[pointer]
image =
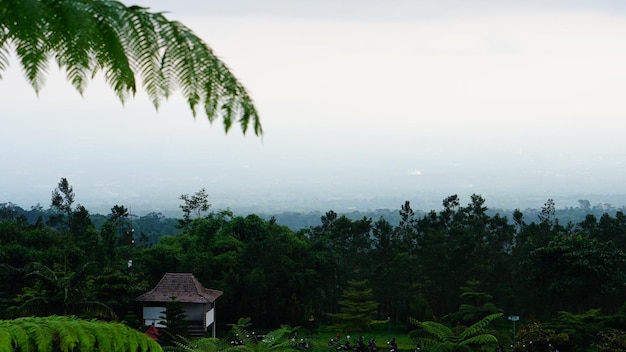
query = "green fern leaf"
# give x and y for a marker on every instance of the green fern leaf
(105, 36)
(6, 342)
(480, 325)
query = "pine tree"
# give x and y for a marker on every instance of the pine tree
(174, 320)
(357, 307)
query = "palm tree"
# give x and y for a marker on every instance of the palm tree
(436, 337)
(89, 36)
(61, 293)
(59, 333)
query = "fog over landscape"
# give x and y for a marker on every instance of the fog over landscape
(364, 104)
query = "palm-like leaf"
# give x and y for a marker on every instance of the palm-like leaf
(439, 337)
(63, 294)
(65, 334)
(479, 326)
(89, 36)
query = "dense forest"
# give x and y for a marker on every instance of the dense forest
(456, 264)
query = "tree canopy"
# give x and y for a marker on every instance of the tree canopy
(453, 267)
(125, 44)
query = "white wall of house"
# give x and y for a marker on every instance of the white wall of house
(210, 318)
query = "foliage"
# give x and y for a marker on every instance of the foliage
(207, 344)
(176, 327)
(581, 329)
(357, 308)
(573, 271)
(476, 304)
(534, 337)
(118, 289)
(241, 324)
(276, 340)
(59, 292)
(68, 333)
(457, 264)
(434, 336)
(611, 341)
(63, 197)
(197, 204)
(123, 42)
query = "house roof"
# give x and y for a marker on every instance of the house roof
(184, 286)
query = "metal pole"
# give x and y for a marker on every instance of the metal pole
(514, 336)
(514, 318)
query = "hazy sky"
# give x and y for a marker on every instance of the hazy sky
(376, 101)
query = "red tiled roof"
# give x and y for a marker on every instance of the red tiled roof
(184, 286)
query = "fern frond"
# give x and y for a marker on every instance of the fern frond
(25, 21)
(145, 51)
(441, 331)
(66, 334)
(130, 340)
(71, 41)
(41, 334)
(207, 344)
(88, 37)
(6, 341)
(86, 338)
(4, 51)
(248, 115)
(243, 335)
(482, 339)
(19, 336)
(438, 346)
(110, 50)
(480, 325)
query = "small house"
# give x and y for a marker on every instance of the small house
(198, 302)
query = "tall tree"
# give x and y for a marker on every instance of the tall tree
(119, 216)
(395, 250)
(176, 328)
(63, 196)
(575, 273)
(62, 201)
(123, 42)
(197, 204)
(357, 307)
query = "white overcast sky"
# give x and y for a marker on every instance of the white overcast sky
(414, 100)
